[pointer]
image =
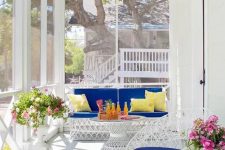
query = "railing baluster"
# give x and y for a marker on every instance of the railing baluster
(160, 62)
(133, 62)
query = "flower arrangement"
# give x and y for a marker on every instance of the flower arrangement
(207, 135)
(32, 108)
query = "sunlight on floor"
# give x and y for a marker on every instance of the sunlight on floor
(62, 142)
(89, 146)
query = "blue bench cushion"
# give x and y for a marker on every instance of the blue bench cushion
(84, 114)
(149, 114)
(95, 114)
(121, 94)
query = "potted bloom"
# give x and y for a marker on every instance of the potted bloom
(207, 135)
(34, 106)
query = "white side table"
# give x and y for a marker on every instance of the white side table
(121, 131)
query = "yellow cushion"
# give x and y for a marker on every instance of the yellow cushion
(79, 102)
(158, 98)
(142, 105)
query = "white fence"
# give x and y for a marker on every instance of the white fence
(144, 63)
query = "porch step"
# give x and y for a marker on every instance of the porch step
(110, 79)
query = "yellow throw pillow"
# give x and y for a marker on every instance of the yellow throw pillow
(79, 102)
(142, 105)
(158, 98)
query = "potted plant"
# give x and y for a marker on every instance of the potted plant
(207, 135)
(33, 108)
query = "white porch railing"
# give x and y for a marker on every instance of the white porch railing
(144, 63)
(134, 64)
(96, 67)
(105, 69)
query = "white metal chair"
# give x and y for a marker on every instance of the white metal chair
(171, 131)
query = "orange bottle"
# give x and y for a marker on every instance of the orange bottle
(125, 109)
(118, 109)
(113, 112)
(108, 111)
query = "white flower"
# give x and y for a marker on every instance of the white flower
(33, 111)
(40, 120)
(65, 115)
(31, 124)
(17, 110)
(32, 98)
(37, 99)
(41, 100)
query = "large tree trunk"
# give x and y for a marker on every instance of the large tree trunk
(104, 39)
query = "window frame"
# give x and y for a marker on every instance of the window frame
(22, 59)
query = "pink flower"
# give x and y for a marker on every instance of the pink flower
(223, 136)
(56, 110)
(14, 115)
(25, 115)
(60, 103)
(210, 127)
(222, 145)
(213, 119)
(193, 135)
(49, 110)
(207, 144)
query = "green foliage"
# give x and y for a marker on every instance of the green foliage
(105, 2)
(74, 58)
(35, 17)
(32, 108)
(6, 23)
(108, 101)
(10, 2)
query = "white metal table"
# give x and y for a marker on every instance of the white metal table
(121, 131)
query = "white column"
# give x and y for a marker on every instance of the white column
(21, 57)
(26, 44)
(186, 45)
(17, 45)
(215, 57)
(59, 23)
(117, 45)
(43, 42)
(26, 132)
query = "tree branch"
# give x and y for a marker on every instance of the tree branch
(100, 12)
(83, 18)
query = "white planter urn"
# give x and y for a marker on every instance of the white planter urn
(59, 122)
(42, 131)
